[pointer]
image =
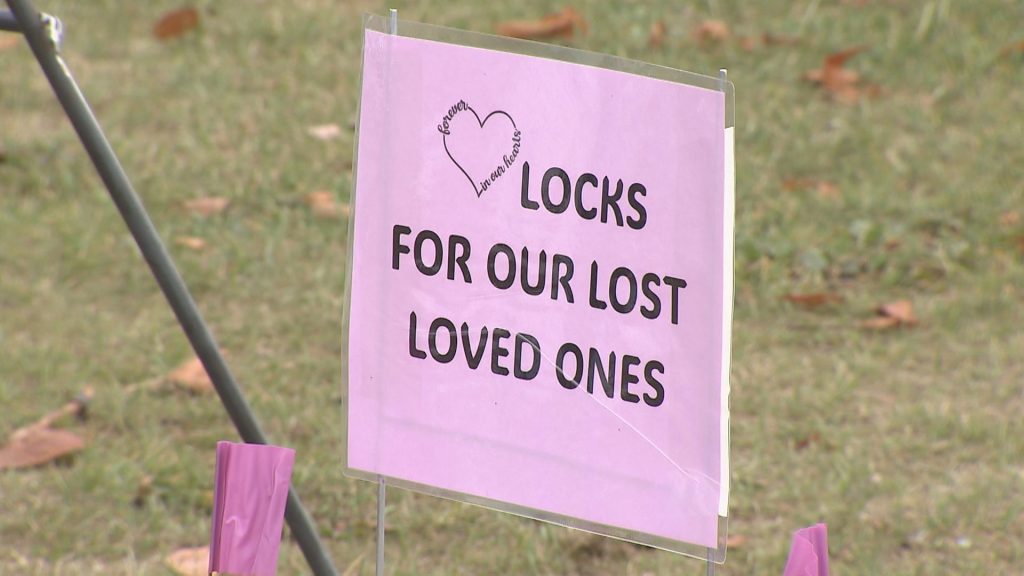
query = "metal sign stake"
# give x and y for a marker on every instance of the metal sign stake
(43, 33)
(381, 508)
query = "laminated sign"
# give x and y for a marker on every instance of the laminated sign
(540, 283)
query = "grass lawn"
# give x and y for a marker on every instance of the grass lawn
(908, 442)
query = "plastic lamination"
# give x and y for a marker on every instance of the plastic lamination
(560, 54)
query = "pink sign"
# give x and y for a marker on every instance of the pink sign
(539, 292)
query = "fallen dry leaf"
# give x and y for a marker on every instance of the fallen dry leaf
(190, 561)
(825, 189)
(191, 376)
(324, 204)
(710, 31)
(806, 441)
(834, 75)
(880, 323)
(324, 131)
(36, 445)
(208, 206)
(8, 41)
(562, 24)
(770, 39)
(78, 406)
(191, 242)
(656, 39)
(794, 184)
(1011, 218)
(841, 84)
(1016, 47)
(891, 315)
(814, 299)
(735, 540)
(176, 23)
(901, 310)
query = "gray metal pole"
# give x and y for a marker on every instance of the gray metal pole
(30, 22)
(8, 22)
(381, 513)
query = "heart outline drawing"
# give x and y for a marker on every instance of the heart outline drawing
(480, 125)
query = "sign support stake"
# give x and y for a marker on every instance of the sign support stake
(43, 33)
(381, 507)
(381, 487)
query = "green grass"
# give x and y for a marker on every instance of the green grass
(909, 444)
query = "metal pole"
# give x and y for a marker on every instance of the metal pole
(44, 43)
(8, 22)
(381, 488)
(381, 510)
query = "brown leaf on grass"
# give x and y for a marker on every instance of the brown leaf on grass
(190, 242)
(8, 41)
(189, 561)
(1015, 48)
(841, 84)
(324, 131)
(562, 24)
(833, 75)
(78, 406)
(735, 540)
(806, 441)
(770, 39)
(813, 299)
(711, 31)
(325, 205)
(747, 43)
(37, 445)
(901, 310)
(191, 376)
(795, 184)
(891, 315)
(825, 189)
(880, 323)
(176, 23)
(1011, 218)
(208, 206)
(656, 39)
